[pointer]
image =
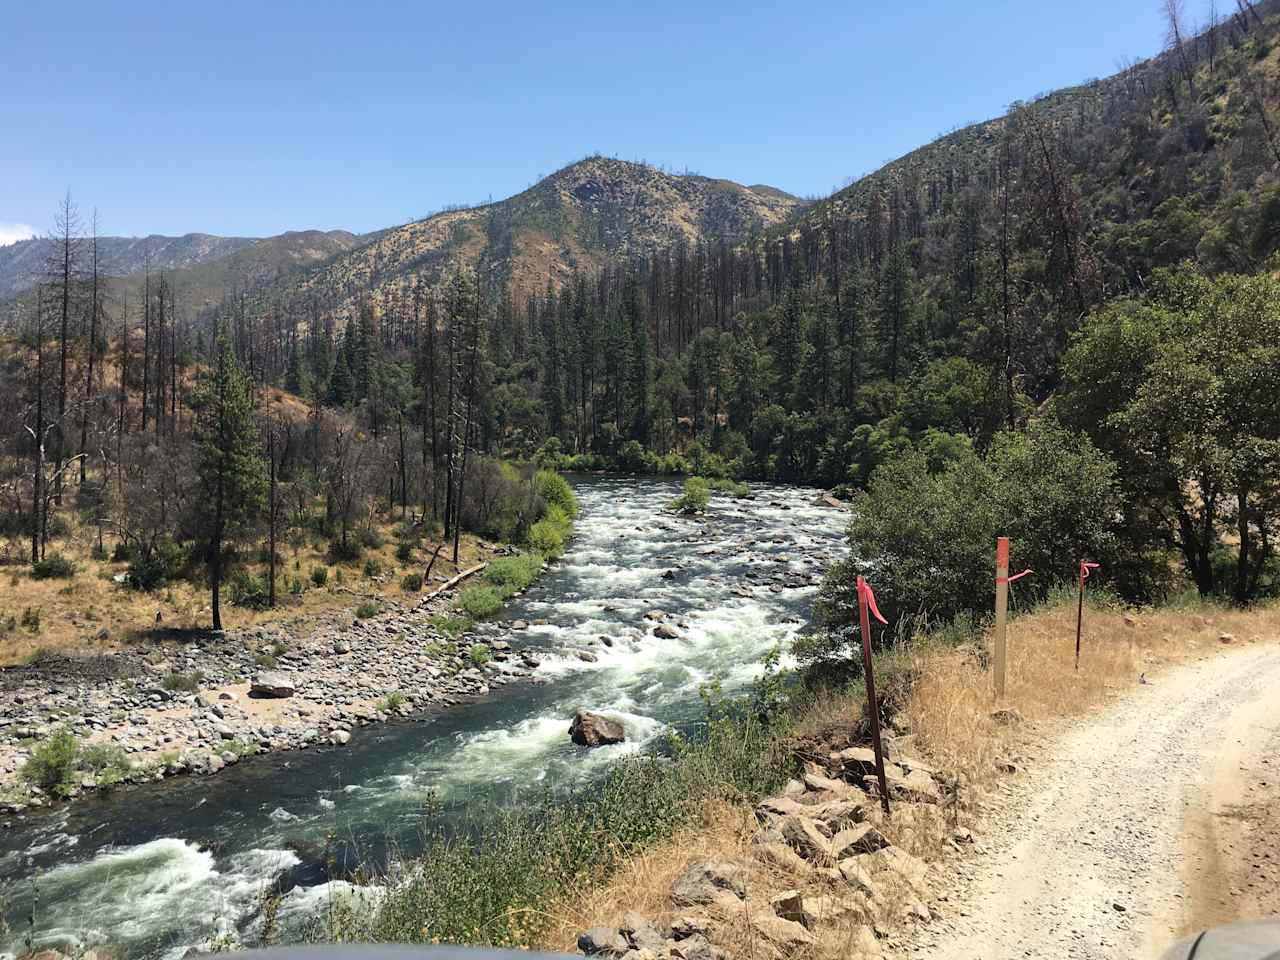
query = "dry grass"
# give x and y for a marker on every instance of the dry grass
(75, 613)
(948, 710)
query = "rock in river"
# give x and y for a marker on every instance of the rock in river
(592, 730)
(271, 683)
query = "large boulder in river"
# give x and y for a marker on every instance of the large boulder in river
(272, 683)
(592, 730)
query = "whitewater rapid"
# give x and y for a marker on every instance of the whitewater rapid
(158, 868)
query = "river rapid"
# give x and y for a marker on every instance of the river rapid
(157, 868)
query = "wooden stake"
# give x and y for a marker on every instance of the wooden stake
(1079, 615)
(1002, 609)
(872, 706)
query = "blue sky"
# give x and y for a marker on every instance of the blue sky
(254, 118)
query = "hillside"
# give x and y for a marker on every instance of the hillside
(261, 262)
(22, 263)
(577, 218)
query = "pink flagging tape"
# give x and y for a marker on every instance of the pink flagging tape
(1015, 577)
(871, 600)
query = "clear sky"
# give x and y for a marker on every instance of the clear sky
(253, 118)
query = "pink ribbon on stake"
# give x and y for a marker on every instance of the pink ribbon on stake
(1016, 577)
(864, 590)
(1085, 567)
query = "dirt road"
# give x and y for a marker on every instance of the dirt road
(1130, 830)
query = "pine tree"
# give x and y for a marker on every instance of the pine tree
(228, 462)
(295, 379)
(341, 385)
(895, 309)
(639, 369)
(788, 345)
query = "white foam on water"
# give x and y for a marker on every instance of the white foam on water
(138, 892)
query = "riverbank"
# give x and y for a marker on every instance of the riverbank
(793, 894)
(200, 852)
(195, 703)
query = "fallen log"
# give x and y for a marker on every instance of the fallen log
(454, 581)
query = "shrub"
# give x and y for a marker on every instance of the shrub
(372, 568)
(546, 538)
(730, 487)
(52, 764)
(53, 566)
(366, 610)
(451, 626)
(555, 489)
(696, 496)
(297, 587)
(480, 603)
(187, 682)
(479, 654)
(154, 569)
(319, 576)
(391, 702)
(266, 661)
(927, 539)
(247, 590)
(370, 538)
(31, 618)
(514, 573)
(58, 763)
(411, 583)
(106, 762)
(344, 553)
(404, 552)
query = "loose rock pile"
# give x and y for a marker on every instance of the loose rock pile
(824, 877)
(314, 689)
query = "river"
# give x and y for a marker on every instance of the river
(154, 869)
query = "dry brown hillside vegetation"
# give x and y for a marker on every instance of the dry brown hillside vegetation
(576, 219)
(820, 871)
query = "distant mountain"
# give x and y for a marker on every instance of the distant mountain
(260, 263)
(22, 263)
(577, 218)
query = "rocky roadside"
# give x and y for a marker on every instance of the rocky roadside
(285, 687)
(824, 876)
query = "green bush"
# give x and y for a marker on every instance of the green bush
(391, 702)
(730, 487)
(247, 590)
(547, 538)
(404, 552)
(514, 573)
(187, 682)
(319, 576)
(926, 540)
(31, 618)
(479, 654)
(480, 603)
(451, 626)
(52, 764)
(372, 568)
(266, 661)
(366, 610)
(349, 552)
(411, 583)
(107, 763)
(54, 566)
(696, 496)
(152, 571)
(370, 538)
(555, 489)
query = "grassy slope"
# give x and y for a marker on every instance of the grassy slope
(948, 711)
